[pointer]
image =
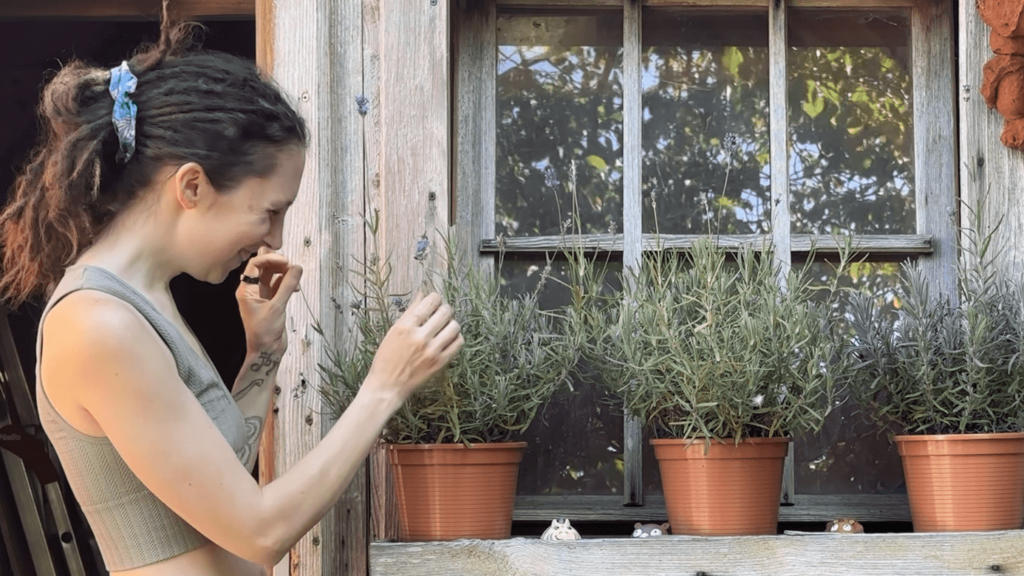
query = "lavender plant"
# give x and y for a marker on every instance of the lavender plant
(945, 364)
(514, 357)
(710, 344)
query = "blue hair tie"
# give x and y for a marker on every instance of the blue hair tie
(123, 83)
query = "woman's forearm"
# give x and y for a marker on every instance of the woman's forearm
(253, 392)
(295, 501)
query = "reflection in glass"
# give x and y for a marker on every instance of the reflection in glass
(575, 442)
(705, 122)
(559, 106)
(849, 456)
(851, 165)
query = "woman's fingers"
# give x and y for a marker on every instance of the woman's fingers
(438, 320)
(289, 284)
(422, 308)
(451, 332)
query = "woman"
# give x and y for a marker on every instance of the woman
(179, 162)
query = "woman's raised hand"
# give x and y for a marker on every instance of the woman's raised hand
(263, 305)
(420, 343)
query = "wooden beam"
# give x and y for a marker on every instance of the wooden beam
(475, 127)
(632, 221)
(125, 9)
(935, 153)
(321, 71)
(831, 4)
(805, 508)
(990, 174)
(803, 554)
(414, 148)
(800, 243)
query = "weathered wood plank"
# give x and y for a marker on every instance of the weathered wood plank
(414, 148)
(990, 173)
(778, 82)
(935, 154)
(794, 555)
(320, 69)
(806, 508)
(899, 244)
(383, 509)
(345, 529)
(125, 9)
(475, 127)
(632, 223)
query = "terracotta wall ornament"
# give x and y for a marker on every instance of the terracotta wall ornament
(1003, 80)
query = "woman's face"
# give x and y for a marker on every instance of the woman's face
(231, 226)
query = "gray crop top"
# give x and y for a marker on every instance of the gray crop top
(132, 527)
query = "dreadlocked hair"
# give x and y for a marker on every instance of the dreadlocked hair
(193, 106)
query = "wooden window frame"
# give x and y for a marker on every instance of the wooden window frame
(935, 159)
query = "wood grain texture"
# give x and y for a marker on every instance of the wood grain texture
(935, 154)
(793, 555)
(125, 9)
(799, 243)
(414, 148)
(383, 504)
(475, 127)
(632, 225)
(805, 508)
(990, 173)
(320, 70)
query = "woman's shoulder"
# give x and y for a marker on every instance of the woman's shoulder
(88, 332)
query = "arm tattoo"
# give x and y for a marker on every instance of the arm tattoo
(253, 427)
(255, 383)
(266, 361)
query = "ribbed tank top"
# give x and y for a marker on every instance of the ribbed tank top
(132, 527)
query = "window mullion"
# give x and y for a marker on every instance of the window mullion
(632, 447)
(778, 48)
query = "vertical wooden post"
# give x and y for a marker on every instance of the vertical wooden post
(935, 170)
(988, 170)
(632, 227)
(313, 48)
(414, 150)
(778, 78)
(475, 127)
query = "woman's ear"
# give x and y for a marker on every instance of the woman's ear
(190, 185)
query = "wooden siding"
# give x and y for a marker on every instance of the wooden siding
(797, 554)
(989, 172)
(414, 150)
(321, 70)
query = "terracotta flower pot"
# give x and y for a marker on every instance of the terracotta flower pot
(964, 482)
(449, 491)
(730, 491)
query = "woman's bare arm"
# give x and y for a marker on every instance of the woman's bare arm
(125, 377)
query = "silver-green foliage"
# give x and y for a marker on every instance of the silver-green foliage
(943, 364)
(514, 357)
(709, 346)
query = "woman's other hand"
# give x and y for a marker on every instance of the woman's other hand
(262, 305)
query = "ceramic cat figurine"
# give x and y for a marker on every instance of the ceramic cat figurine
(560, 530)
(649, 530)
(844, 526)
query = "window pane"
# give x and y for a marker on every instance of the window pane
(574, 445)
(851, 123)
(705, 122)
(848, 456)
(559, 106)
